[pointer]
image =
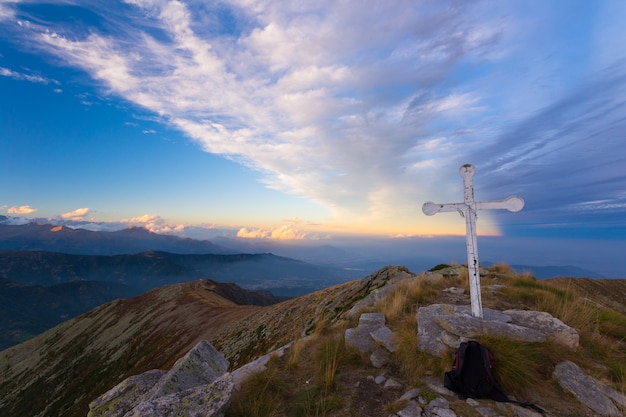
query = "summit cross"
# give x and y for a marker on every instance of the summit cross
(468, 209)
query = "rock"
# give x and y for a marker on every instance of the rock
(410, 394)
(258, 365)
(553, 328)
(474, 327)
(523, 411)
(202, 401)
(439, 407)
(455, 290)
(124, 396)
(436, 385)
(197, 385)
(372, 319)
(392, 384)
(379, 358)
(412, 410)
(379, 285)
(443, 326)
(361, 338)
(202, 365)
(384, 336)
(584, 388)
(379, 379)
(428, 331)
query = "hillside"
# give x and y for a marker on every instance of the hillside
(28, 310)
(51, 238)
(62, 370)
(151, 269)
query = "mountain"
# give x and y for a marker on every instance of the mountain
(147, 270)
(41, 289)
(46, 237)
(27, 310)
(60, 371)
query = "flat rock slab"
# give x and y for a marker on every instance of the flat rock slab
(585, 388)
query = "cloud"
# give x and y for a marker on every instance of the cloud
(367, 107)
(321, 101)
(76, 214)
(21, 210)
(285, 232)
(33, 78)
(154, 223)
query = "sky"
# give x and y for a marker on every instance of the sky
(313, 119)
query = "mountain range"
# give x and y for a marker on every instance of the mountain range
(49, 273)
(60, 371)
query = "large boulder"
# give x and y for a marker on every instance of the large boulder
(553, 328)
(443, 326)
(200, 366)
(197, 385)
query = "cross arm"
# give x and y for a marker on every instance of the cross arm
(429, 208)
(512, 203)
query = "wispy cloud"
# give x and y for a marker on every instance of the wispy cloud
(33, 78)
(365, 107)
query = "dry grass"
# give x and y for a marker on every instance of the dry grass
(520, 367)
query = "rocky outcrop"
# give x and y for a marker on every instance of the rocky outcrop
(197, 385)
(443, 326)
(373, 337)
(598, 397)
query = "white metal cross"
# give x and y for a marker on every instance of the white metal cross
(468, 210)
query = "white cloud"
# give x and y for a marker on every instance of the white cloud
(21, 210)
(285, 232)
(76, 214)
(33, 78)
(312, 98)
(154, 223)
(365, 107)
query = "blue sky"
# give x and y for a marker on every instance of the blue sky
(314, 119)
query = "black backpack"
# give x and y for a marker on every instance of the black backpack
(473, 375)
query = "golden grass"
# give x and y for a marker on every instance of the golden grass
(414, 363)
(520, 367)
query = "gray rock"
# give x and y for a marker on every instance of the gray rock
(485, 411)
(200, 366)
(436, 385)
(258, 365)
(524, 412)
(124, 396)
(616, 397)
(474, 327)
(392, 384)
(584, 388)
(360, 337)
(372, 319)
(384, 336)
(553, 328)
(410, 394)
(428, 331)
(202, 401)
(412, 410)
(379, 358)
(439, 407)
(379, 379)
